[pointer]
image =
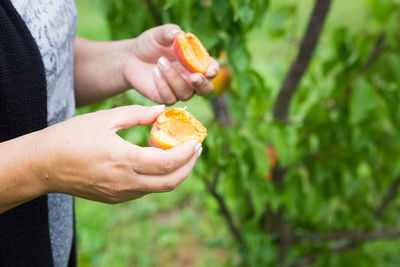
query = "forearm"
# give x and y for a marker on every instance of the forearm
(98, 69)
(21, 177)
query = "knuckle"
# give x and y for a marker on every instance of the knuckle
(134, 108)
(207, 88)
(170, 186)
(170, 100)
(166, 165)
(186, 96)
(113, 157)
(118, 161)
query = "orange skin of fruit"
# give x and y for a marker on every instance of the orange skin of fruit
(273, 160)
(191, 53)
(223, 55)
(222, 82)
(176, 126)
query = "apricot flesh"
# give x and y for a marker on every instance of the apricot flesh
(176, 126)
(191, 52)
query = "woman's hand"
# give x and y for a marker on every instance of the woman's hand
(153, 70)
(85, 157)
(146, 63)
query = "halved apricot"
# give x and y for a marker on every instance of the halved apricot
(175, 126)
(222, 82)
(191, 52)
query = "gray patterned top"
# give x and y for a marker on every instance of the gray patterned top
(52, 24)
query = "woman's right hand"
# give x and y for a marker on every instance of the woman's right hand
(85, 157)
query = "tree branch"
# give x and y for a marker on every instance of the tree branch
(376, 51)
(311, 258)
(352, 239)
(389, 196)
(379, 47)
(349, 235)
(211, 186)
(221, 110)
(222, 114)
(275, 222)
(299, 66)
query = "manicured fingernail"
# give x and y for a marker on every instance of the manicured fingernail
(159, 107)
(157, 72)
(197, 148)
(212, 73)
(164, 63)
(174, 32)
(197, 80)
(199, 152)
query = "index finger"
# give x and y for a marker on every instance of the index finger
(151, 160)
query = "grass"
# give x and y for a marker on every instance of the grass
(169, 229)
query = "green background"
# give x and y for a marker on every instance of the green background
(341, 154)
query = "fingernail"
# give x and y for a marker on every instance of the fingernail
(197, 80)
(164, 63)
(159, 107)
(212, 73)
(157, 72)
(174, 32)
(197, 148)
(199, 152)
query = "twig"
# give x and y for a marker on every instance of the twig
(379, 47)
(376, 51)
(389, 196)
(311, 258)
(300, 64)
(211, 186)
(154, 13)
(351, 239)
(349, 235)
(275, 223)
(222, 114)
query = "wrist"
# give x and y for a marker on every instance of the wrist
(21, 176)
(37, 160)
(127, 48)
(99, 69)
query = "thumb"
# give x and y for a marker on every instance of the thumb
(128, 116)
(165, 34)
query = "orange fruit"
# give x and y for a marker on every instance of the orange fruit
(223, 55)
(272, 162)
(222, 82)
(191, 52)
(174, 127)
(273, 157)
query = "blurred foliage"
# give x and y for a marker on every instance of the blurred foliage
(342, 147)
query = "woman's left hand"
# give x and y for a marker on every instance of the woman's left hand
(153, 70)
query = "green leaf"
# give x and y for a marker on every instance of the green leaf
(363, 101)
(246, 15)
(170, 3)
(235, 7)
